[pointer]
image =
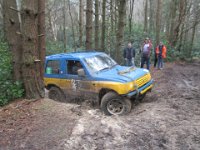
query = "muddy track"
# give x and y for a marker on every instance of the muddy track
(168, 118)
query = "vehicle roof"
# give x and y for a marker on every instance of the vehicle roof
(74, 55)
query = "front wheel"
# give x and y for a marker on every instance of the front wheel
(113, 104)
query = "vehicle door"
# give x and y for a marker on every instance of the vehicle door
(76, 86)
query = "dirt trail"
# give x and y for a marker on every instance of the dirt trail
(168, 118)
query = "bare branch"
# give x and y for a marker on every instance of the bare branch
(14, 9)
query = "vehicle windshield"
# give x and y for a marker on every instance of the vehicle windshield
(100, 62)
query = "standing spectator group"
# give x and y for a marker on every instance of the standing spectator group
(159, 54)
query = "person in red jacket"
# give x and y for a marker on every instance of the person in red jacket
(161, 51)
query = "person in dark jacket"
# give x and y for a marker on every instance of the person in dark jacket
(129, 55)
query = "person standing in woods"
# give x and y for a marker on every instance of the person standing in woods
(161, 51)
(146, 51)
(129, 55)
(155, 58)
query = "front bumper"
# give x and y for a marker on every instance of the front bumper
(145, 88)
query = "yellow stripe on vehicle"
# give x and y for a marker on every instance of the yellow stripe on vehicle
(145, 90)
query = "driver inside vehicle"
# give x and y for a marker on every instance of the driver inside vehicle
(76, 67)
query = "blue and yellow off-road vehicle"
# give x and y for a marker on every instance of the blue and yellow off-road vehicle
(95, 75)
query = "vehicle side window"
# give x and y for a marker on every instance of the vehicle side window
(53, 67)
(73, 67)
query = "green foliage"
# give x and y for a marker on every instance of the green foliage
(55, 47)
(9, 89)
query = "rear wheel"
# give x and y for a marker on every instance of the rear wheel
(113, 104)
(56, 94)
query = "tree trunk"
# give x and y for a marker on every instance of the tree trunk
(196, 18)
(89, 14)
(64, 27)
(96, 24)
(120, 30)
(192, 40)
(173, 7)
(32, 78)
(130, 18)
(112, 29)
(145, 15)
(80, 23)
(72, 24)
(181, 38)
(13, 35)
(103, 28)
(116, 14)
(158, 21)
(151, 16)
(41, 34)
(181, 18)
(168, 21)
(111, 16)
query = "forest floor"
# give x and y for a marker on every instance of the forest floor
(168, 118)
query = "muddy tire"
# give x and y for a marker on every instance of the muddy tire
(113, 104)
(56, 94)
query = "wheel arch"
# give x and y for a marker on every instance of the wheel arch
(51, 85)
(103, 91)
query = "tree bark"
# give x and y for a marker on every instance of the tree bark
(158, 21)
(96, 24)
(80, 23)
(89, 13)
(41, 34)
(103, 28)
(13, 35)
(32, 78)
(120, 30)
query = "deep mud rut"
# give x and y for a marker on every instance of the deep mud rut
(168, 118)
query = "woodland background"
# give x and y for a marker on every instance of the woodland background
(31, 29)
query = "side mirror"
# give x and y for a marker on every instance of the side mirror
(81, 73)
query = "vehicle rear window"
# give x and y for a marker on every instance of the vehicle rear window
(53, 67)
